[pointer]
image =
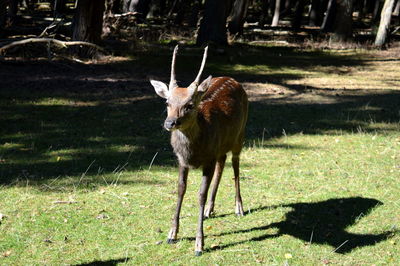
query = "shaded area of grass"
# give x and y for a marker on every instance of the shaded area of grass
(322, 222)
(58, 119)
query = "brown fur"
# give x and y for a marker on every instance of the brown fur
(218, 128)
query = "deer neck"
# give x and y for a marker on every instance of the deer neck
(183, 142)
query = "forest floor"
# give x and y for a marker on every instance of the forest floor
(87, 174)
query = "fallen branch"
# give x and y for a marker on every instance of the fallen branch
(63, 44)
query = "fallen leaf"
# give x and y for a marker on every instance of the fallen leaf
(214, 245)
(102, 216)
(209, 227)
(288, 256)
(7, 253)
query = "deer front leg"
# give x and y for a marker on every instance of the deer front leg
(205, 184)
(183, 174)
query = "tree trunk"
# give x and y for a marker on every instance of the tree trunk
(383, 30)
(107, 20)
(213, 24)
(12, 11)
(264, 9)
(238, 14)
(343, 26)
(396, 11)
(58, 7)
(376, 13)
(140, 6)
(298, 14)
(327, 24)
(275, 19)
(315, 14)
(88, 21)
(125, 5)
(3, 16)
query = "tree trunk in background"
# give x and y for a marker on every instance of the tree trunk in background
(108, 12)
(140, 6)
(116, 7)
(88, 21)
(125, 5)
(327, 24)
(3, 16)
(264, 9)
(396, 11)
(58, 7)
(238, 14)
(275, 19)
(154, 9)
(383, 30)
(315, 14)
(213, 24)
(298, 14)
(376, 13)
(12, 11)
(343, 26)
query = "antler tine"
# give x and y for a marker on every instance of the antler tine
(172, 83)
(203, 63)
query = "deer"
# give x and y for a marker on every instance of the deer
(207, 120)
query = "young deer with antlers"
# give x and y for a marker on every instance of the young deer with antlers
(206, 121)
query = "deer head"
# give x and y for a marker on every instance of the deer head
(181, 102)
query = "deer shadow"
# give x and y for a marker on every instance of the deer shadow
(323, 222)
(105, 262)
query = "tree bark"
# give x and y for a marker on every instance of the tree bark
(396, 11)
(343, 26)
(238, 14)
(213, 24)
(376, 13)
(108, 12)
(383, 30)
(315, 14)
(88, 21)
(140, 6)
(275, 19)
(264, 15)
(12, 11)
(3, 16)
(298, 14)
(327, 24)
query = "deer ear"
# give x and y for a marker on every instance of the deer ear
(203, 87)
(161, 88)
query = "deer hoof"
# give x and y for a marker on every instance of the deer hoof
(198, 253)
(171, 241)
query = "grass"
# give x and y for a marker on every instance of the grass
(87, 174)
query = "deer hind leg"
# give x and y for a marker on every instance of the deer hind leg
(205, 184)
(183, 174)
(219, 167)
(238, 197)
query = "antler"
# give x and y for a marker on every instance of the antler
(172, 83)
(196, 82)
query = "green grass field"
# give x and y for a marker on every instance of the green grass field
(87, 175)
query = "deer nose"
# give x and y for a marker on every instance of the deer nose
(170, 123)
